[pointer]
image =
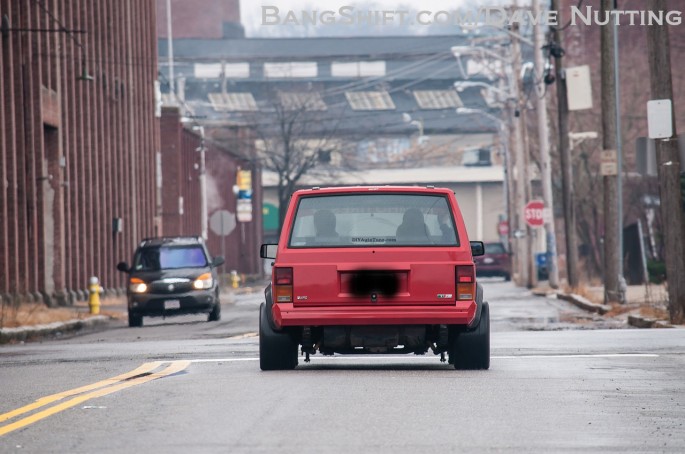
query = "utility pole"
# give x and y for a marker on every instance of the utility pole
(565, 155)
(170, 50)
(668, 168)
(522, 251)
(610, 173)
(545, 161)
(203, 184)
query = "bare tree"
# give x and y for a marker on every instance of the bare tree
(295, 134)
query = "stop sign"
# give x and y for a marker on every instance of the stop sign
(534, 213)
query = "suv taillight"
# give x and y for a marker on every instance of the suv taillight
(466, 282)
(283, 285)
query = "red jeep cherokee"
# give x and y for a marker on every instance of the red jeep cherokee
(374, 270)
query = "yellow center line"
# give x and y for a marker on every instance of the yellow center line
(142, 369)
(172, 368)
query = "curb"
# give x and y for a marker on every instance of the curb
(24, 333)
(545, 293)
(642, 322)
(584, 303)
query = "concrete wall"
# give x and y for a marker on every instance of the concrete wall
(75, 154)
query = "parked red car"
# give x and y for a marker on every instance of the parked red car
(374, 270)
(495, 262)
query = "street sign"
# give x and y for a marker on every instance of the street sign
(660, 118)
(244, 203)
(534, 213)
(503, 228)
(609, 163)
(222, 222)
(244, 210)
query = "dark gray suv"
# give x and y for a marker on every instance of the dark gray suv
(172, 276)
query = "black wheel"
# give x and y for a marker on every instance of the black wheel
(215, 315)
(135, 320)
(507, 277)
(470, 350)
(277, 351)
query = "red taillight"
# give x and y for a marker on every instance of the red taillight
(283, 285)
(466, 282)
(465, 273)
(283, 276)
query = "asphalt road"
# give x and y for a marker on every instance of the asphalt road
(556, 384)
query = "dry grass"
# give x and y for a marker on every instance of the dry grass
(36, 314)
(29, 314)
(585, 292)
(658, 313)
(619, 309)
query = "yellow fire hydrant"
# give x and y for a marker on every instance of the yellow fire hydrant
(94, 291)
(235, 279)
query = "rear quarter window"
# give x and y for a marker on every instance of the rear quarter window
(359, 220)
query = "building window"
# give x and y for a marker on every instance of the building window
(214, 70)
(478, 157)
(358, 69)
(369, 100)
(301, 100)
(233, 102)
(437, 99)
(290, 69)
(383, 149)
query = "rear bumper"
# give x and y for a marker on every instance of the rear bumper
(462, 313)
(197, 301)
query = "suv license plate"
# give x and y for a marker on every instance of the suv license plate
(172, 304)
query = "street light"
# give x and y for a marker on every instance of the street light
(461, 85)
(203, 182)
(469, 111)
(576, 138)
(418, 123)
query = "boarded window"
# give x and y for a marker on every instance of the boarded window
(233, 102)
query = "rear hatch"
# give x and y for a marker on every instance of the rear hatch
(383, 276)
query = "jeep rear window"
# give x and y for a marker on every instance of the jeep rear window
(164, 258)
(371, 220)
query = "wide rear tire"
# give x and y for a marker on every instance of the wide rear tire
(470, 350)
(277, 351)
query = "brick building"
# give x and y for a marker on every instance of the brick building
(204, 19)
(180, 197)
(77, 143)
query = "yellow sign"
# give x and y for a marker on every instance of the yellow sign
(244, 180)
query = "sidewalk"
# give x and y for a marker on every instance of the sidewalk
(646, 305)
